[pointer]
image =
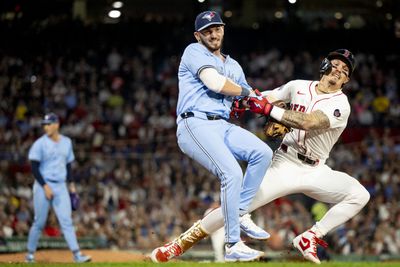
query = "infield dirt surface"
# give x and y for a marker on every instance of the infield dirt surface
(53, 256)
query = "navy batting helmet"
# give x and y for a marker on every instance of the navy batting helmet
(343, 54)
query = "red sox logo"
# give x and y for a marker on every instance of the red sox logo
(209, 16)
(297, 107)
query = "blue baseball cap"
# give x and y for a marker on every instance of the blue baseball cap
(206, 19)
(50, 118)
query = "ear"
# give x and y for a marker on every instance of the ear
(197, 36)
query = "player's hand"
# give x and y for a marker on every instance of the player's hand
(238, 108)
(259, 105)
(256, 93)
(48, 192)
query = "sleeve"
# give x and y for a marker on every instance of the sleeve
(337, 111)
(71, 156)
(242, 80)
(36, 172)
(196, 59)
(281, 93)
(35, 152)
(69, 173)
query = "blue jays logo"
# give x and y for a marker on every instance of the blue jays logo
(209, 16)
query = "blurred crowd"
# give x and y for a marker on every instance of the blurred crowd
(137, 189)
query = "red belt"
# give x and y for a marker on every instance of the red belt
(301, 157)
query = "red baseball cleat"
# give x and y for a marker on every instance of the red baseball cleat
(307, 243)
(166, 252)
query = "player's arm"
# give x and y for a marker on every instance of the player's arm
(39, 178)
(221, 84)
(36, 172)
(70, 179)
(313, 121)
(74, 197)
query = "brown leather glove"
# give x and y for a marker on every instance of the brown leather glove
(273, 128)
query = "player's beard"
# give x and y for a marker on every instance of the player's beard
(333, 80)
(211, 45)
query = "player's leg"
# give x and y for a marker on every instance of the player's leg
(217, 242)
(41, 207)
(330, 186)
(62, 207)
(343, 190)
(247, 147)
(280, 180)
(258, 155)
(204, 141)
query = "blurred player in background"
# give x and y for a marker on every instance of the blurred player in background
(318, 115)
(208, 81)
(51, 156)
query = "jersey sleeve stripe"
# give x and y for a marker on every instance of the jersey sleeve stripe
(204, 67)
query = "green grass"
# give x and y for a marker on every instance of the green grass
(201, 264)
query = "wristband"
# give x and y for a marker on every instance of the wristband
(245, 92)
(277, 113)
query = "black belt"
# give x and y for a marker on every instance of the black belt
(189, 114)
(301, 156)
(55, 181)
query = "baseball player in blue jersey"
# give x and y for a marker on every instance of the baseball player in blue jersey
(51, 156)
(208, 82)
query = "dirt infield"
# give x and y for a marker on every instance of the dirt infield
(66, 256)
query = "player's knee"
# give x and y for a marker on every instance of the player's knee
(39, 224)
(361, 195)
(364, 196)
(264, 153)
(237, 173)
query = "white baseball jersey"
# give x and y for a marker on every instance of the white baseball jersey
(302, 96)
(289, 175)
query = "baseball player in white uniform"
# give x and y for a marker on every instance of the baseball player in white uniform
(318, 114)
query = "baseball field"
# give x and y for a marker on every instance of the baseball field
(110, 258)
(202, 264)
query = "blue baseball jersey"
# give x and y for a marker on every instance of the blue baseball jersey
(53, 157)
(193, 94)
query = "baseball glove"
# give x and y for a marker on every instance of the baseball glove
(75, 200)
(273, 128)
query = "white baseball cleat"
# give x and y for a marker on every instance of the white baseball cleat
(30, 258)
(241, 252)
(166, 252)
(251, 229)
(81, 258)
(307, 243)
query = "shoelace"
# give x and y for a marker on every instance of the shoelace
(248, 222)
(317, 241)
(172, 249)
(244, 248)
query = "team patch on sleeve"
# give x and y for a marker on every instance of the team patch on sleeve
(337, 113)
